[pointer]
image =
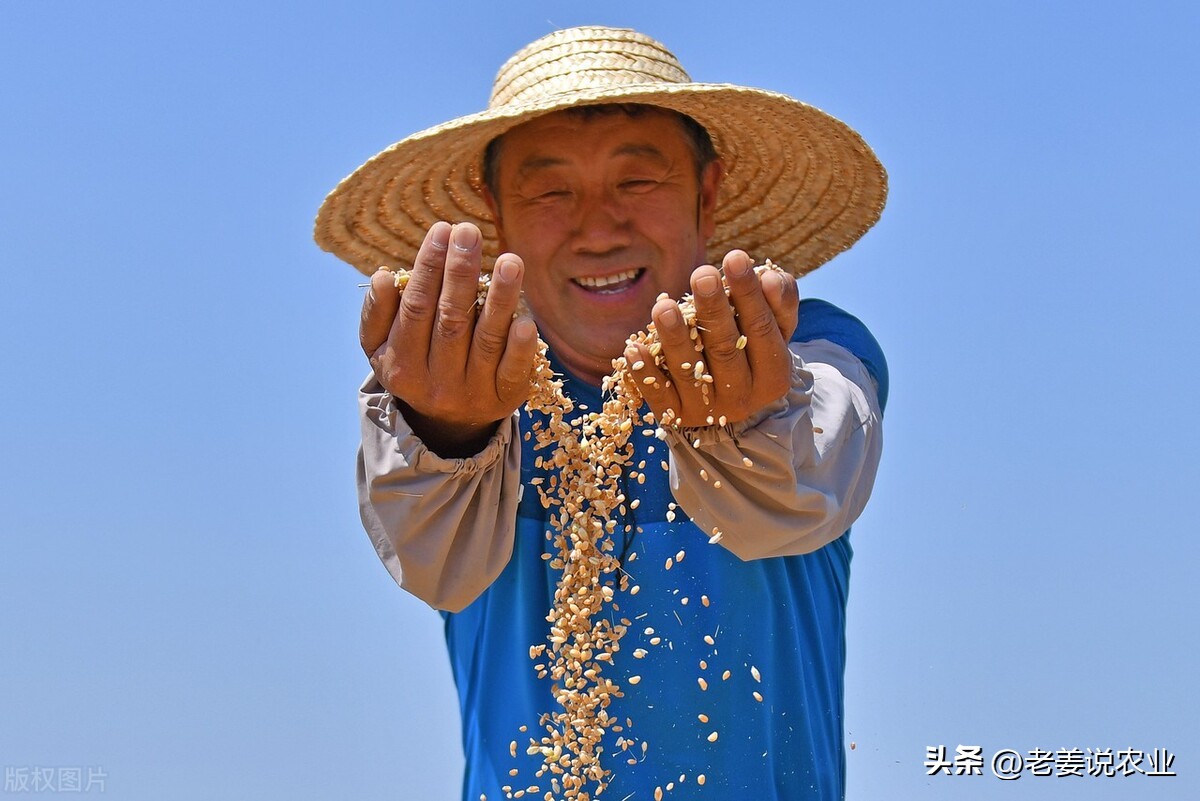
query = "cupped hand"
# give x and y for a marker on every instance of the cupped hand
(455, 370)
(746, 375)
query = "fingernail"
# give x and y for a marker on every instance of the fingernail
(708, 284)
(737, 267)
(440, 235)
(507, 269)
(671, 316)
(524, 329)
(465, 237)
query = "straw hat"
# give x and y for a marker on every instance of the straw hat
(800, 186)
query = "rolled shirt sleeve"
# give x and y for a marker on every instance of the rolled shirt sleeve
(791, 479)
(795, 476)
(444, 528)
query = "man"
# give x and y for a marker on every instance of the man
(600, 178)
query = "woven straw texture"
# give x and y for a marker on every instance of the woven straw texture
(800, 186)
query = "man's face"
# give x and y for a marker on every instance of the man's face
(606, 212)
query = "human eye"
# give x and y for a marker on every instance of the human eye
(547, 191)
(638, 184)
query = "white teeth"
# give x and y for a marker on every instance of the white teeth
(597, 282)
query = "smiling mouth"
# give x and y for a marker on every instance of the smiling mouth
(608, 284)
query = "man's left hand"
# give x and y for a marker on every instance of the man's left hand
(762, 307)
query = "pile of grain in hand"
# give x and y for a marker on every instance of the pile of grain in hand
(587, 455)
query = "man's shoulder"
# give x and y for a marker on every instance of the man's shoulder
(820, 319)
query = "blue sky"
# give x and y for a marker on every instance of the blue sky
(187, 601)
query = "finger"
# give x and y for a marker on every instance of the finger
(719, 331)
(454, 324)
(683, 357)
(764, 342)
(418, 303)
(379, 310)
(654, 385)
(514, 373)
(495, 321)
(783, 296)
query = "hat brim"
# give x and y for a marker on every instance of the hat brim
(800, 186)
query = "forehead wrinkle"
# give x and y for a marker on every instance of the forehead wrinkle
(632, 149)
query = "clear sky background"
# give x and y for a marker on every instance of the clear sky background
(187, 600)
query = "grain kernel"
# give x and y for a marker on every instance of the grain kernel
(587, 456)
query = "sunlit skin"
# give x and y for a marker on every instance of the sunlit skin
(598, 216)
(583, 200)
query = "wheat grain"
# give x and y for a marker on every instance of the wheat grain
(585, 457)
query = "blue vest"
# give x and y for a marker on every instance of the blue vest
(785, 617)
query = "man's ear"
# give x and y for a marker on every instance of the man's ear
(494, 207)
(710, 185)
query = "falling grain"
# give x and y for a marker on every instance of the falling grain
(586, 455)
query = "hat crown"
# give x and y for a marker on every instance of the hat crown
(583, 58)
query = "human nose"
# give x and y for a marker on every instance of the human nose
(602, 224)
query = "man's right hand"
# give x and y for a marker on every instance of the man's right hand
(454, 375)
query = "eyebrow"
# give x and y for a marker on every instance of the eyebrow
(632, 149)
(647, 150)
(539, 163)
